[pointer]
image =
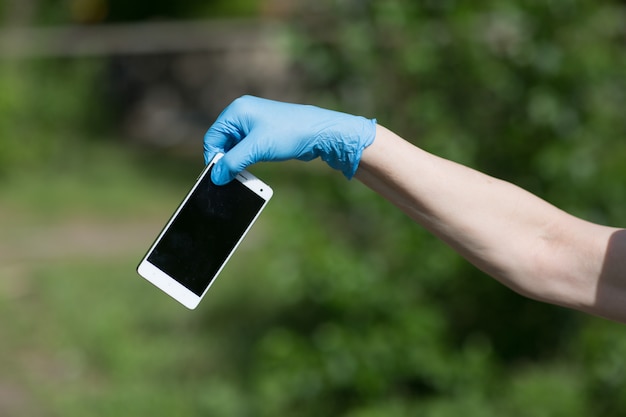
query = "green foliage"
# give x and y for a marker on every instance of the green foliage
(336, 304)
(46, 107)
(384, 319)
(540, 87)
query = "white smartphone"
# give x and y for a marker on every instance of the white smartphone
(202, 234)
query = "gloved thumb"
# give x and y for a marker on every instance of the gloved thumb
(235, 160)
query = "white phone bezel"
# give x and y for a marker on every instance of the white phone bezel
(171, 286)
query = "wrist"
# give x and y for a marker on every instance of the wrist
(343, 149)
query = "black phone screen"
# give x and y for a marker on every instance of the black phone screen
(205, 232)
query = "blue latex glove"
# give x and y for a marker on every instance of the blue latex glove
(253, 129)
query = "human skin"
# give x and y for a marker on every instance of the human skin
(514, 236)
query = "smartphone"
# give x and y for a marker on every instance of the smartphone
(202, 234)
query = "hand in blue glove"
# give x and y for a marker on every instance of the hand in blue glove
(253, 129)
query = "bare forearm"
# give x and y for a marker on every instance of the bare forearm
(516, 237)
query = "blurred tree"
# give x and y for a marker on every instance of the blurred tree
(348, 308)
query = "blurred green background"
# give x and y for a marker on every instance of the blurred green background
(336, 304)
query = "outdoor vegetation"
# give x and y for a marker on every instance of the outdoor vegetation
(336, 304)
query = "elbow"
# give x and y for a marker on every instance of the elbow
(561, 271)
(556, 287)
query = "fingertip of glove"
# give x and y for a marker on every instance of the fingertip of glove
(220, 175)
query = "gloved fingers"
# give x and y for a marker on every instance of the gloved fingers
(238, 158)
(230, 127)
(219, 138)
(210, 152)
